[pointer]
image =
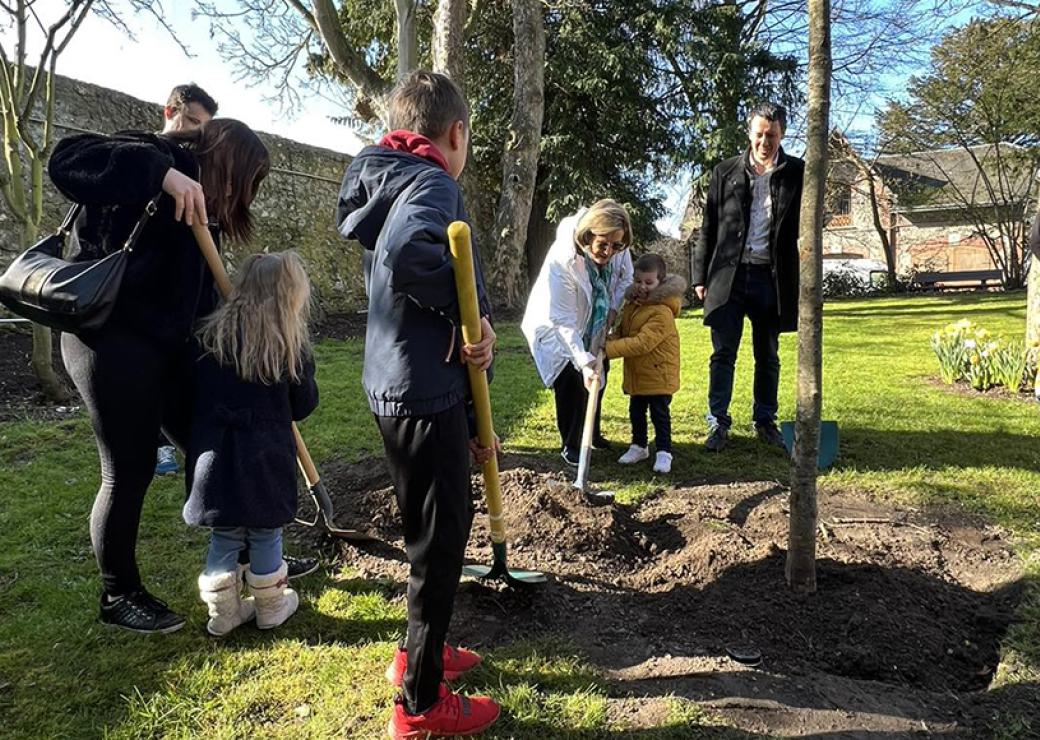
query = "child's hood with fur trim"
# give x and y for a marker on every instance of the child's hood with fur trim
(669, 291)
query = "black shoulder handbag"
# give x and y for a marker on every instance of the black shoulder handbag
(67, 296)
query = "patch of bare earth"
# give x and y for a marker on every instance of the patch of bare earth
(21, 396)
(902, 636)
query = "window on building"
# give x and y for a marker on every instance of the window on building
(843, 203)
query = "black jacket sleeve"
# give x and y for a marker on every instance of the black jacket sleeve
(705, 246)
(98, 170)
(303, 396)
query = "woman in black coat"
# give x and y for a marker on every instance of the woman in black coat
(134, 374)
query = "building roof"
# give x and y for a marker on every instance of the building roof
(950, 178)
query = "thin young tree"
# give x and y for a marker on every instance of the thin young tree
(801, 550)
(27, 97)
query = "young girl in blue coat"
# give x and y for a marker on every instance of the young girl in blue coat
(254, 378)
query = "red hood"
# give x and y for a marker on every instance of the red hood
(402, 140)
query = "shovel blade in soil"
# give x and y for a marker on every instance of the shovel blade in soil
(498, 569)
(828, 442)
(323, 519)
(512, 576)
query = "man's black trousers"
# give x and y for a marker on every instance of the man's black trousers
(428, 458)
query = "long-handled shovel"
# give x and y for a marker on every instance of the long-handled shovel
(581, 482)
(466, 285)
(319, 494)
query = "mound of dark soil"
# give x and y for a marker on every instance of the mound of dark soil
(346, 325)
(903, 598)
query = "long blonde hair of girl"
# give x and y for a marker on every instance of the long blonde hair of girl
(261, 329)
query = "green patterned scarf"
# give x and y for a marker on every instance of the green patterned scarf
(600, 279)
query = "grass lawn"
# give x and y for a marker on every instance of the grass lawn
(63, 675)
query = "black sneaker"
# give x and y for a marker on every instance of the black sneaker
(600, 443)
(300, 567)
(717, 440)
(770, 435)
(570, 456)
(139, 611)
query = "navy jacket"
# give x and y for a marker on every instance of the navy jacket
(399, 206)
(241, 458)
(166, 285)
(723, 234)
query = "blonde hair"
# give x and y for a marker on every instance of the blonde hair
(604, 217)
(261, 329)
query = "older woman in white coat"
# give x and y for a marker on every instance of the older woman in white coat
(572, 305)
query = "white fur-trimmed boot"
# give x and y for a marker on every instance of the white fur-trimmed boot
(222, 594)
(275, 601)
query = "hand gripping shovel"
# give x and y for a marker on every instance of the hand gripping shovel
(322, 502)
(466, 285)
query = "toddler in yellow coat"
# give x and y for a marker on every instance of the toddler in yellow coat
(648, 340)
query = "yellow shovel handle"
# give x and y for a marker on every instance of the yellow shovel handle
(220, 276)
(466, 285)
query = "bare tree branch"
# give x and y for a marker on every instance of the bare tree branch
(349, 60)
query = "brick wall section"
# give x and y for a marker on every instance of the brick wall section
(295, 208)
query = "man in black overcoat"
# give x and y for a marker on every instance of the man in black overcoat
(745, 263)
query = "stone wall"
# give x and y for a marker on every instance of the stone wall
(295, 208)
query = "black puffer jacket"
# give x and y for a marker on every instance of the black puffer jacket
(166, 285)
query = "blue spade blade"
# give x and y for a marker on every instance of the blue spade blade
(828, 442)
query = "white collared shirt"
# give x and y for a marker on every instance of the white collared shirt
(756, 247)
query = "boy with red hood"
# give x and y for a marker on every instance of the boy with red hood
(397, 200)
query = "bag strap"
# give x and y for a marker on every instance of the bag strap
(149, 210)
(70, 218)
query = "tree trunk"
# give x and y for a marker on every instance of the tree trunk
(43, 345)
(43, 365)
(407, 46)
(449, 24)
(540, 231)
(881, 229)
(1033, 301)
(801, 551)
(520, 158)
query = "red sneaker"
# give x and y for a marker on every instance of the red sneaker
(451, 715)
(456, 662)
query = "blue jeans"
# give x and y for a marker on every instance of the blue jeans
(753, 295)
(225, 543)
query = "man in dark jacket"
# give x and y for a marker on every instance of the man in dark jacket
(745, 263)
(397, 200)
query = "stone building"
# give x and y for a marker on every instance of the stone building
(946, 210)
(934, 206)
(295, 208)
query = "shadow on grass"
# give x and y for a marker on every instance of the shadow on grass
(909, 306)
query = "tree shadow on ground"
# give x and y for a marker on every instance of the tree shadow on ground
(871, 449)
(893, 644)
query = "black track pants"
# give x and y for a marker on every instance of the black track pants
(428, 458)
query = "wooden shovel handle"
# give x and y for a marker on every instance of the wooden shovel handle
(469, 310)
(220, 276)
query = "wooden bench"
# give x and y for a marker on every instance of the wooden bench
(964, 280)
